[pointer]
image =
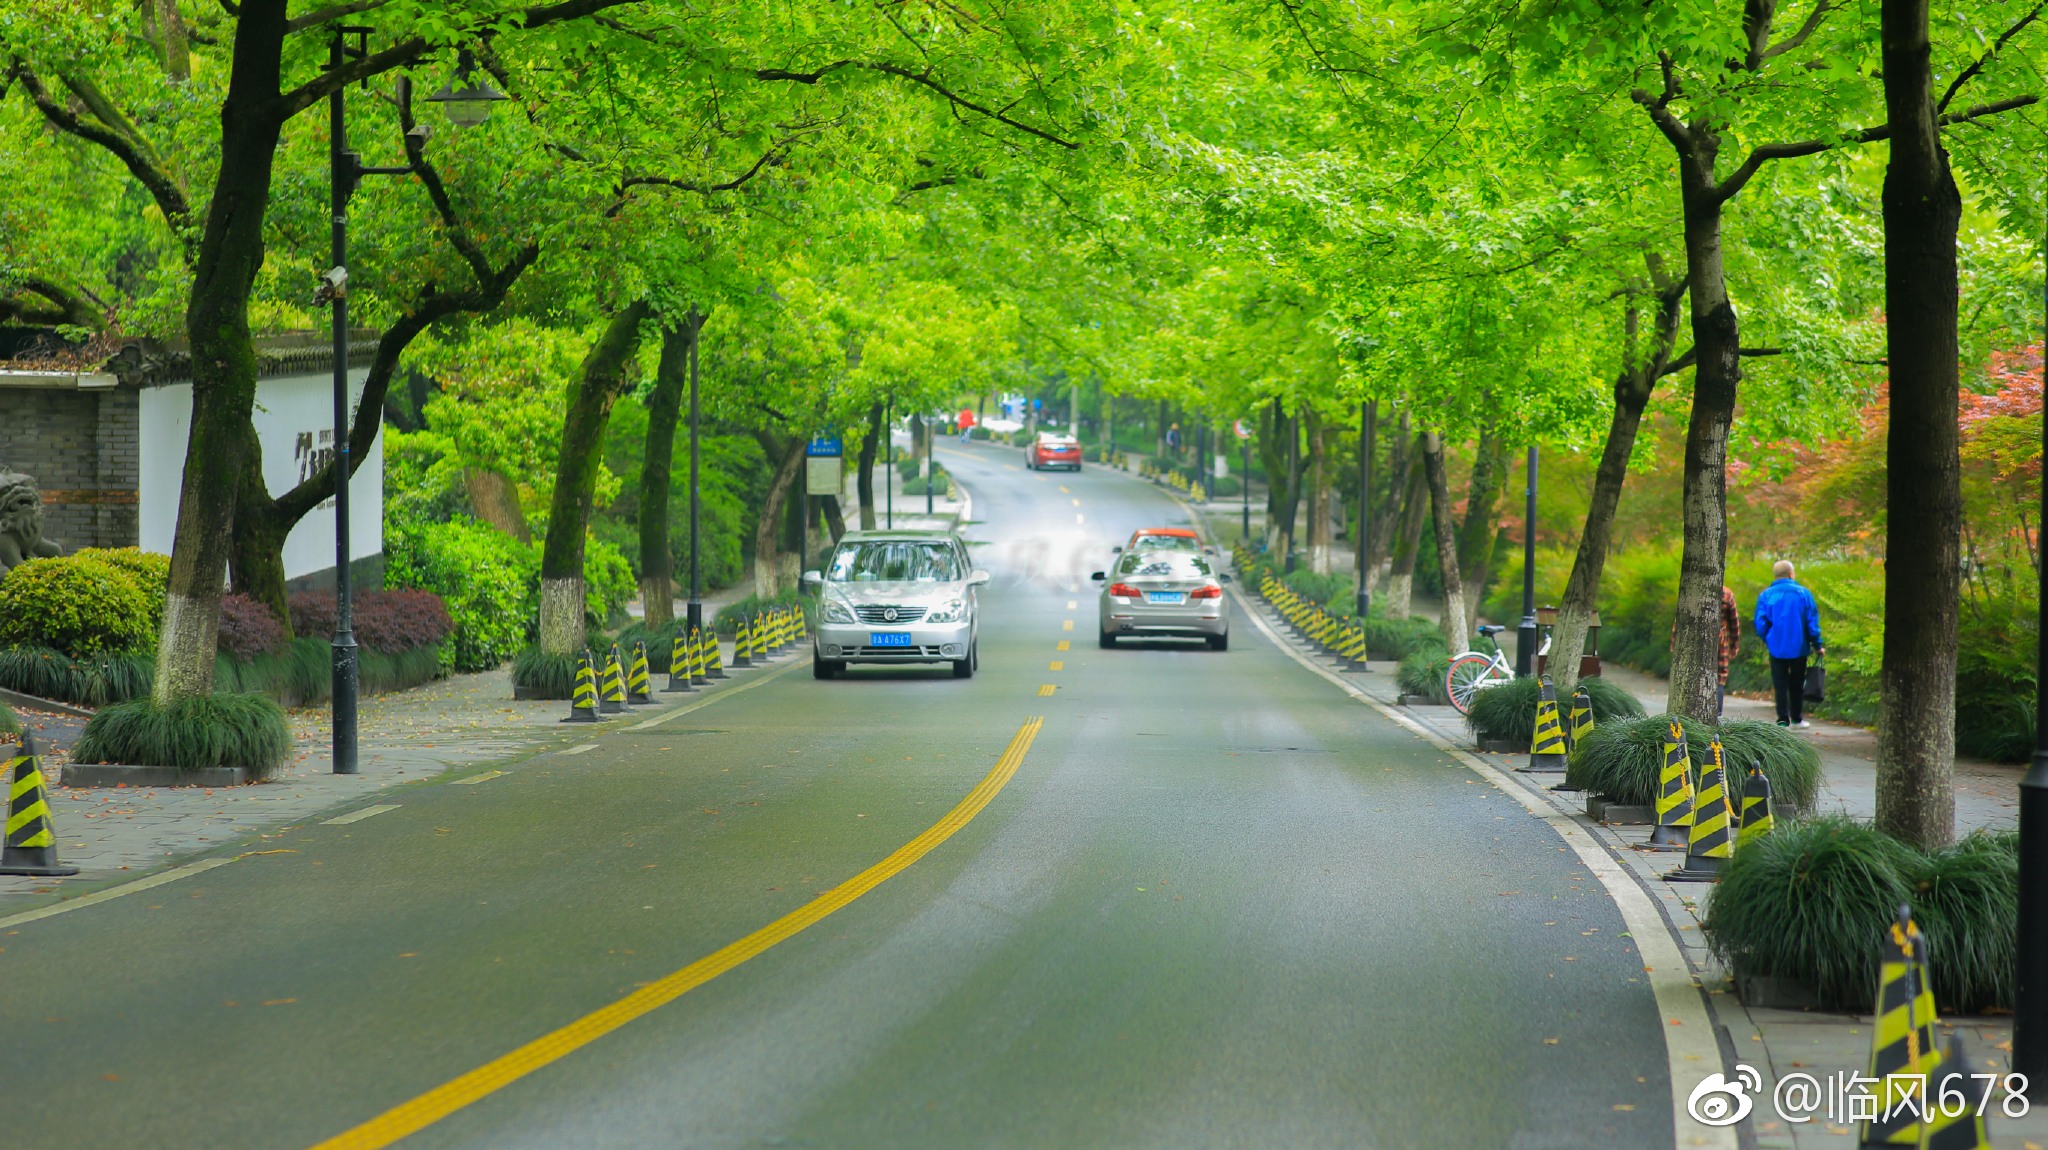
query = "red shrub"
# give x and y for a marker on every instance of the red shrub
(386, 621)
(248, 629)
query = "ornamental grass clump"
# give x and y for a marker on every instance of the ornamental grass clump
(547, 675)
(218, 730)
(1422, 673)
(1811, 901)
(1508, 711)
(10, 723)
(1397, 639)
(1625, 758)
(93, 681)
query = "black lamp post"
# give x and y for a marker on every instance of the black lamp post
(466, 107)
(1368, 412)
(694, 612)
(1525, 632)
(1244, 448)
(2030, 1012)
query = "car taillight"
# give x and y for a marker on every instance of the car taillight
(1125, 590)
(1212, 591)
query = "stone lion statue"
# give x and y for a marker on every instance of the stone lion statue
(21, 522)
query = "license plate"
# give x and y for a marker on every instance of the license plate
(1171, 598)
(889, 639)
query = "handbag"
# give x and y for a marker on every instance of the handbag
(1815, 689)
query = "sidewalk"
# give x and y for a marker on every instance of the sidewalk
(1777, 1043)
(412, 736)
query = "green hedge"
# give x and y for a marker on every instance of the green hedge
(729, 615)
(1508, 711)
(1624, 759)
(489, 581)
(218, 730)
(1812, 901)
(78, 606)
(299, 675)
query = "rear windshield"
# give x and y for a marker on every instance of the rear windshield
(1164, 543)
(1164, 564)
(894, 561)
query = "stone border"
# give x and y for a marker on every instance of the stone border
(38, 703)
(127, 775)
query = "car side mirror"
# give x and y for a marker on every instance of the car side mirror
(1116, 551)
(977, 579)
(813, 580)
(1098, 576)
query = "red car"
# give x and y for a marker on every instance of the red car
(1050, 450)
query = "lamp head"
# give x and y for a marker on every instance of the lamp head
(466, 102)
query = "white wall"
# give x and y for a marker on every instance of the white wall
(295, 423)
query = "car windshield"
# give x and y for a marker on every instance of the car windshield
(894, 561)
(1164, 565)
(1143, 542)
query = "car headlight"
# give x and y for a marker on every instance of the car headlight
(837, 612)
(951, 611)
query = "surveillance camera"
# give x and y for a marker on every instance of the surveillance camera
(335, 278)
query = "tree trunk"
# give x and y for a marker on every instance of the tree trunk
(1159, 432)
(1273, 432)
(1696, 649)
(598, 385)
(222, 439)
(1640, 369)
(1923, 494)
(1393, 483)
(1476, 537)
(1318, 492)
(665, 406)
(495, 500)
(767, 528)
(256, 558)
(177, 48)
(1446, 541)
(1400, 589)
(835, 517)
(864, 479)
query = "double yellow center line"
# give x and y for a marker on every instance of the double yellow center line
(438, 1103)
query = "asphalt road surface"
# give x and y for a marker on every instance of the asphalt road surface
(1216, 904)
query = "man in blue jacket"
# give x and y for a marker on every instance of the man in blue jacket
(1788, 621)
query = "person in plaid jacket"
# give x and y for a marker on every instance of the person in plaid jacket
(1731, 639)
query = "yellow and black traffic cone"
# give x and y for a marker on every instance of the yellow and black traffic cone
(714, 662)
(1757, 818)
(611, 698)
(1902, 1054)
(1674, 795)
(742, 645)
(1712, 839)
(1546, 747)
(679, 663)
(583, 697)
(699, 662)
(1582, 717)
(31, 844)
(639, 683)
(1963, 1130)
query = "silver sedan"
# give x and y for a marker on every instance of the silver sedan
(1161, 594)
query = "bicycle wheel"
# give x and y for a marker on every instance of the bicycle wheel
(1468, 672)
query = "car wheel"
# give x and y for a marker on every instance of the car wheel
(1220, 642)
(974, 656)
(964, 668)
(1108, 638)
(825, 668)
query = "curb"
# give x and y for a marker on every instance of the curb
(129, 775)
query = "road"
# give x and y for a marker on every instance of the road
(1218, 904)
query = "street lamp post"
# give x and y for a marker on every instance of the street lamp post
(1244, 448)
(931, 466)
(465, 107)
(1368, 412)
(694, 613)
(1525, 633)
(2030, 1011)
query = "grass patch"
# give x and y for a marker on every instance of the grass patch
(218, 730)
(545, 674)
(91, 681)
(1422, 673)
(1623, 759)
(1509, 710)
(10, 723)
(1813, 899)
(1397, 639)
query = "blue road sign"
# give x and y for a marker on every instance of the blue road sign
(822, 445)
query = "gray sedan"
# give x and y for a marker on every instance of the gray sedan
(1162, 594)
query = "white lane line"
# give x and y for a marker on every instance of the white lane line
(358, 816)
(727, 694)
(1072, 605)
(1079, 518)
(100, 896)
(585, 748)
(472, 780)
(1690, 1050)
